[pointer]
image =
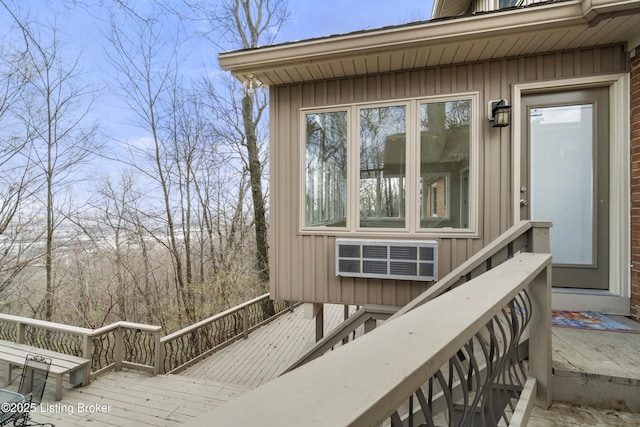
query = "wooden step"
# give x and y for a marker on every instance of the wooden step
(597, 368)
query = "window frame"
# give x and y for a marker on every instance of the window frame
(303, 171)
(412, 186)
(409, 135)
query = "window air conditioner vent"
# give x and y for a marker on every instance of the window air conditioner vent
(387, 259)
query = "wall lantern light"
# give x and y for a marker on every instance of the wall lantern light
(251, 84)
(499, 113)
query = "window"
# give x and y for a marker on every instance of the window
(503, 4)
(406, 167)
(445, 146)
(326, 169)
(382, 167)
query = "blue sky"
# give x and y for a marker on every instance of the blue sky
(83, 29)
(308, 19)
(311, 19)
(83, 32)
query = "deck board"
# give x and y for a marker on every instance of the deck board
(566, 415)
(593, 360)
(134, 399)
(268, 351)
(611, 355)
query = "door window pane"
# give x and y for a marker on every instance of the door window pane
(445, 143)
(326, 169)
(562, 179)
(382, 167)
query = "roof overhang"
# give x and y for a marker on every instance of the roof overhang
(534, 29)
(443, 8)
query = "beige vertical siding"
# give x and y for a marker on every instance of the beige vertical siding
(303, 266)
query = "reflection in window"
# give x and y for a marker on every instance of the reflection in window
(503, 4)
(382, 167)
(437, 197)
(445, 143)
(326, 169)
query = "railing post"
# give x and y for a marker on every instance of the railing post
(540, 336)
(20, 332)
(87, 353)
(369, 325)
(245, 322)
(345, 340)
(320, 323)
(118, 355)
(539, 237)
(158, 360)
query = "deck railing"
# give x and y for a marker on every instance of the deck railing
(526, 236)
(187, 346)
(365, 317)
(455, 358)
(143, 347)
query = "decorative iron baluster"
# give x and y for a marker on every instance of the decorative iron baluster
(8, 331)
(481, 383)
(139, 346)
(58, 341)
(103, 351)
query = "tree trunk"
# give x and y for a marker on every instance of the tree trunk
(255, 174)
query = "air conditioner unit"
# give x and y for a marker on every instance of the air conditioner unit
(387, 259)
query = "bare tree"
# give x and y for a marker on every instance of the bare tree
(54, 114)
(148, 66)
(14, 172)
(246, 24)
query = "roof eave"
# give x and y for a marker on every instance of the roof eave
(552, 15)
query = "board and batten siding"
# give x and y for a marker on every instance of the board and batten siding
(303, 266)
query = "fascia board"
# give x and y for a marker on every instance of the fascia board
(593, 9)
(358, 44)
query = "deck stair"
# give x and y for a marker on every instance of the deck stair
(597, 368)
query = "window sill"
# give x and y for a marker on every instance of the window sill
(391, 233)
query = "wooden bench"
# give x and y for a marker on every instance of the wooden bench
(14, 354)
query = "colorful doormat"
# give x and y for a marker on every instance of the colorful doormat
(588, 320)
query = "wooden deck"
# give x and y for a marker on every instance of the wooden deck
(133, 399)
(267, 352)
(136, 399)
(129, 398)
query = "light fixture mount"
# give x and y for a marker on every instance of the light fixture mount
(251, 83)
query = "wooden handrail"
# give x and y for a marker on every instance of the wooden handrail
(213, 318)
(523, 230)
(43, 324)
(125, 325)
(364, 382)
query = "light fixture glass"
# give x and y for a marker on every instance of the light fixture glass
(499, 113)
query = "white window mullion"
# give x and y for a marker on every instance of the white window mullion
(413, 160)
(353, 175)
